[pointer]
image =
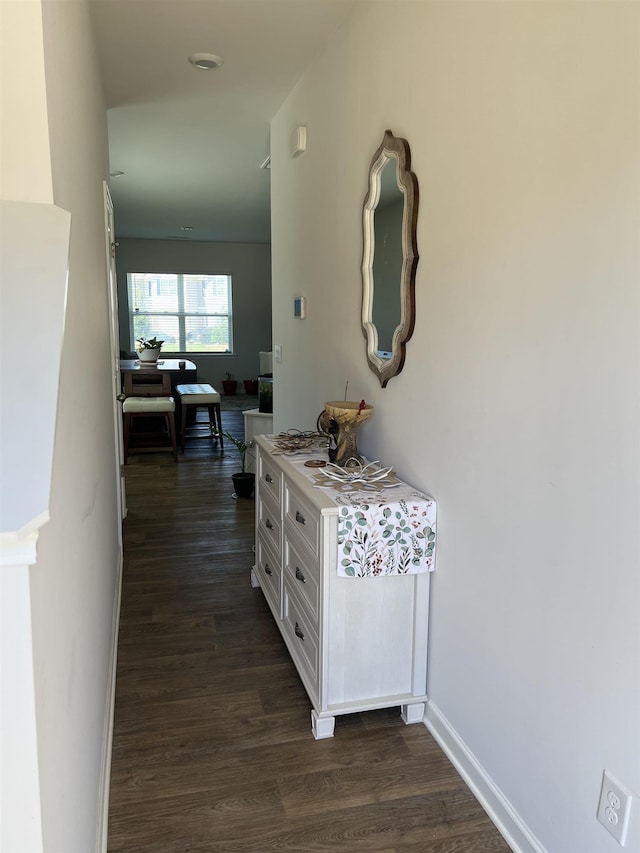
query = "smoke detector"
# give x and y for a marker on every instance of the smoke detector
(205, 61)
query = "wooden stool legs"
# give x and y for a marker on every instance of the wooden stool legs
(215, 417)
(151, 448)
(171, 424)
(215, 421)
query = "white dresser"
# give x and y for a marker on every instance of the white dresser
(357, 643)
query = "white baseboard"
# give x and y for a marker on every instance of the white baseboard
(107, 738)
(508, 822)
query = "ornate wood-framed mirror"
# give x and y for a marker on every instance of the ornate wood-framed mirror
(389, 257)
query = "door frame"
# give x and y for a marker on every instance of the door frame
(114, 340)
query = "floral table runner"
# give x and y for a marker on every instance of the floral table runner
(382, 529)
(381, 535)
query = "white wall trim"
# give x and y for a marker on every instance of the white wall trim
(18, 550)
(508, 822)
(107, 739)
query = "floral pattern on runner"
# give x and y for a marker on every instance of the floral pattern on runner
(377, 537)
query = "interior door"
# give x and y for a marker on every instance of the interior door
(115, 351)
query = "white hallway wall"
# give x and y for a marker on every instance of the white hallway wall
(250, 266)
(73, 584)
(518, 405)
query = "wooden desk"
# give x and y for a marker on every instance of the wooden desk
(131, 365)
(179, 375)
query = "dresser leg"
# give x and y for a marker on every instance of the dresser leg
(322, 727)
(255, 583)
(412, 713)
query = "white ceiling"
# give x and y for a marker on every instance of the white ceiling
(190, 142)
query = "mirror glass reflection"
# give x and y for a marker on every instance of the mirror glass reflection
(387, 259)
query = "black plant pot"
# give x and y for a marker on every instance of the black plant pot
(243, 484)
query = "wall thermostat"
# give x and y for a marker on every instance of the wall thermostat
(299, 307)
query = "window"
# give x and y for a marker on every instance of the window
(190, 313)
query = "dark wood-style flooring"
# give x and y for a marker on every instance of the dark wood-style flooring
(212, 747)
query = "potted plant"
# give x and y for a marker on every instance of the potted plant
(243, 481)
(251, 387)
(229, 385)
(148, 349)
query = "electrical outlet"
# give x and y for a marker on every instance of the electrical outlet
(614, 807)
(277, 354)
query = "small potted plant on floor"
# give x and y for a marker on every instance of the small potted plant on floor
(148, 349)
(229, 385)
(243, 481)
(251, 387)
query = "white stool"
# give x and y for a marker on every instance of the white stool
(147, 405)
(200, 394)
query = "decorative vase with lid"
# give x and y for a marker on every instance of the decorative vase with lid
(349, 417)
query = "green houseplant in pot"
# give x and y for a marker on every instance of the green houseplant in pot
(243, 481)
(229, 385)
(148, 349)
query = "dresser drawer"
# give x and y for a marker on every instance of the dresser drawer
(269, 527)
(301, 517)
(270, 480)
(270, 576)
(302, 641)
(303, 574)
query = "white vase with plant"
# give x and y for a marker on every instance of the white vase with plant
(148, 349)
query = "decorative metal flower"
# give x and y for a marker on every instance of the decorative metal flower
(355, 476)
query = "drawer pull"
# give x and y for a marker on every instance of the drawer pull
(269, 478)
(300, 517)
(268, 525)
(267, 570)
(299, 632)
(300, 576)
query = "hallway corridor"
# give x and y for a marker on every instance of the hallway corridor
(212, 748)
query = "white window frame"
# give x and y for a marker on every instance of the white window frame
(180, 314)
